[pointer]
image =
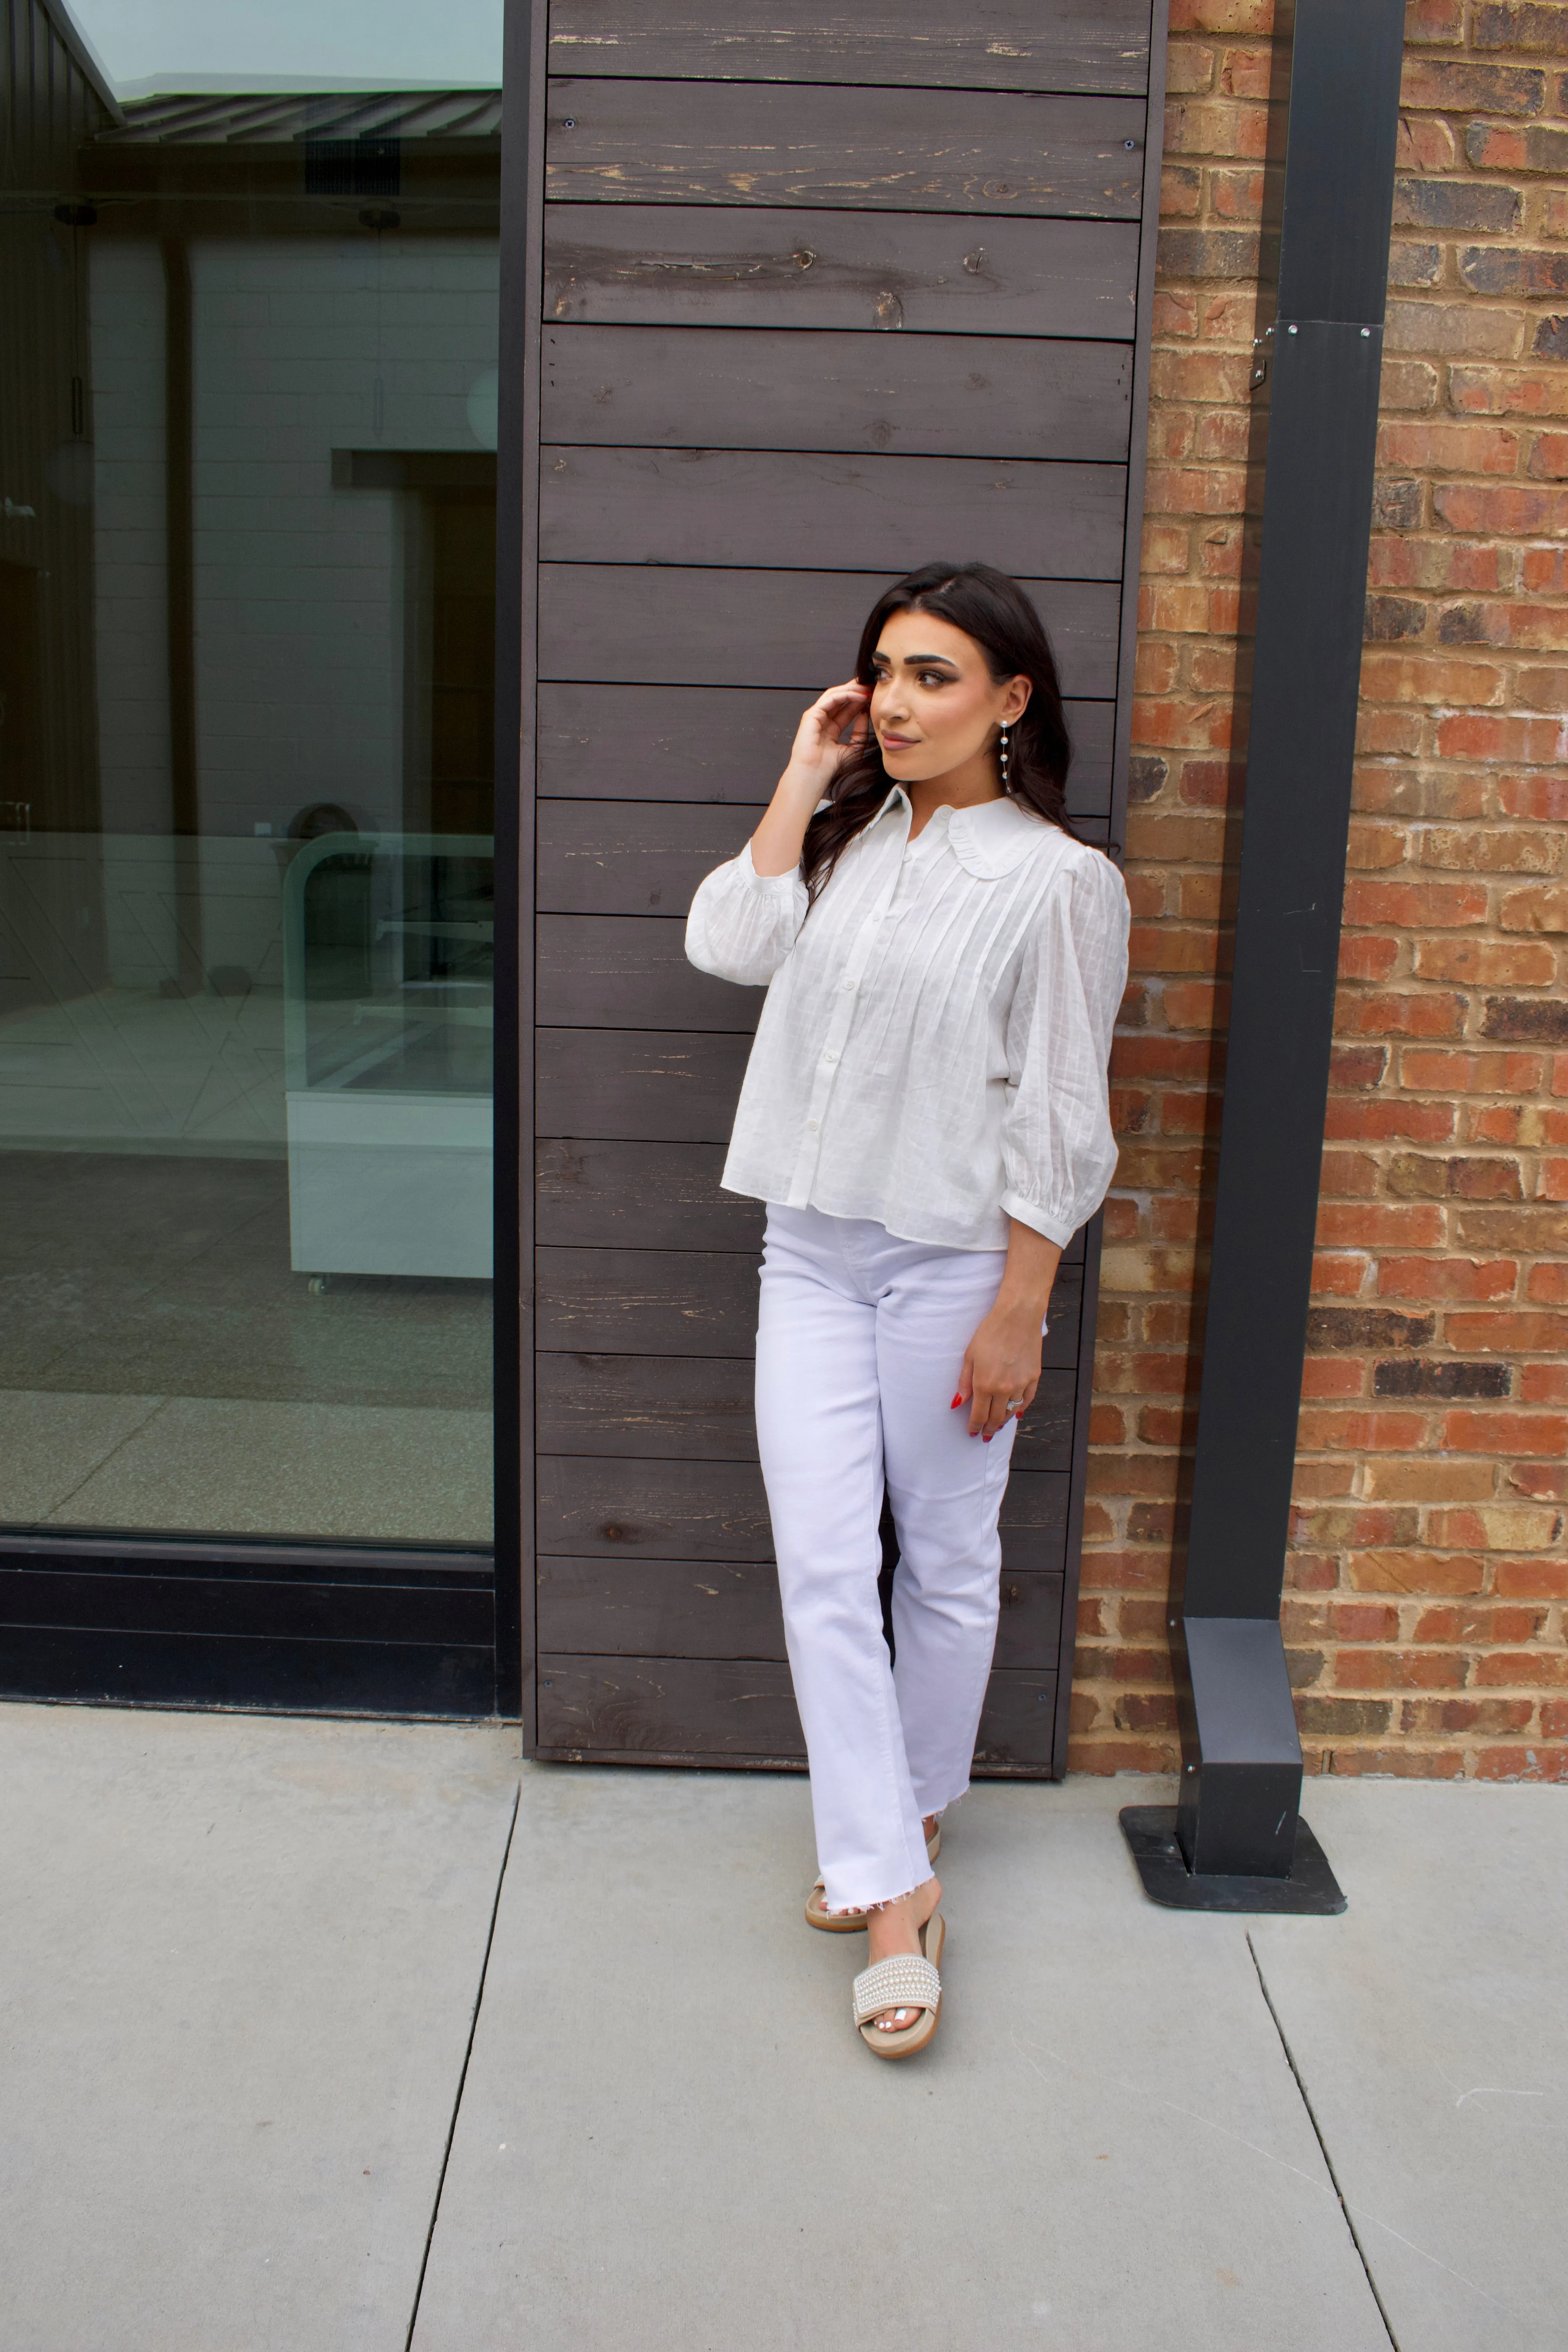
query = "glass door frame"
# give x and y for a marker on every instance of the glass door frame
(517, 479)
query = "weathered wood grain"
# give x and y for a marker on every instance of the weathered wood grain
(668, 266)
(1030, 1626)
(604, 1509)
(595, 1195)
(1044, 1441)
(711, 744)
(686, 1608)
(621, 861)
(699, 1409)
(661, 1408)
(799, 509)
(669, 1196)
(1016, 1724)
(628, 1085)
(632, 857)
(1059, 1347)
(1078, 44)
(700, 1303)
(678, 1710)
(700, 743)
(630, 971)
(661, 1608)
(646, 1301)
(667, 1709)
(640, 1196)
(601, 1507)
(1035, 1505)
(930, 395)
(954, 150)
(672, 626)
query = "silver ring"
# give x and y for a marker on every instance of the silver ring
(1015, 1405)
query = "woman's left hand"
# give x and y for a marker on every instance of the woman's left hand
(1001, 1367)
(1001, 1363)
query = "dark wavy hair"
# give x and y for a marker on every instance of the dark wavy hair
(992, 610)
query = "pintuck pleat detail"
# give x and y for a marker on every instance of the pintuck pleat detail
(931, 1053)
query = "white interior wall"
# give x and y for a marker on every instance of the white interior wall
(300, 346)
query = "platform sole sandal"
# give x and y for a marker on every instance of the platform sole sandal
(902, 1982)
(846, 1923)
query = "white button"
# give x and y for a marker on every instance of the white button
(831, 1056)
(811, 1126)
(848, 988)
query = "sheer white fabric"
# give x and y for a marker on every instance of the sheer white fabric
(932, 1051)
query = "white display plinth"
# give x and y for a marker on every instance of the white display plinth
(390, 1183)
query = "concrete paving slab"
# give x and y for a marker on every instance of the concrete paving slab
(671, 2137)
(51, 1443)
(240, 1957)
(378, 1474)
(1430, 2030)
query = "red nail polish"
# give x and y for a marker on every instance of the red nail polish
(955, 1405)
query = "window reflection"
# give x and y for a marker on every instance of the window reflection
(247, 381)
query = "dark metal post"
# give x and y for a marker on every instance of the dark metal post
(1235, 1841)
(517, 551)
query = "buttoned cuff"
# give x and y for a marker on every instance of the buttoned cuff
(1028, 1213)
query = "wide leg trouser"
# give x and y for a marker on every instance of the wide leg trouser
(860, 1344)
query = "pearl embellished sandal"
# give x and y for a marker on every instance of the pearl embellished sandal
(902, 1982)
(845, 1923)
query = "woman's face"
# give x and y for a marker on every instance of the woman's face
(935, 704)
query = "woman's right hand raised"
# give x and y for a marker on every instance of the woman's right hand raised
(815, 758)
(818, 754)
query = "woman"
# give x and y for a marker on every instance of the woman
(925, 1115)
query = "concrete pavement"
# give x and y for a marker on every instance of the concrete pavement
(238, 1963)
(239, 1966)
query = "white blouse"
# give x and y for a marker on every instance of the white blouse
(932, 1051)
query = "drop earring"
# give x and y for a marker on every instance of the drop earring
(1006, 786)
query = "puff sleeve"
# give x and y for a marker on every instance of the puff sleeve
(742, 924)
(1059, 1154)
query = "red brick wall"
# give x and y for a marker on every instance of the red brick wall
(1427, 1567)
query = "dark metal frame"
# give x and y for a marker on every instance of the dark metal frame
(336, 1629)
(522, 298)
(1238, 1818)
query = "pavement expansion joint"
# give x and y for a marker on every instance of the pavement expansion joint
(463, 2074)
(1323, 2143)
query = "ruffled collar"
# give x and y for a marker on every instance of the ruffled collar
(991, 840)
(988, 841)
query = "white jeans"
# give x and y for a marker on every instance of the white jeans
(860, 1344)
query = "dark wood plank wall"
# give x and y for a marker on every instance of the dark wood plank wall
(822, 299)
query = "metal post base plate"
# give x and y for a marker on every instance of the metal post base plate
(1311, 1890)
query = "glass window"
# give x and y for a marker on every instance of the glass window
(248, 429)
